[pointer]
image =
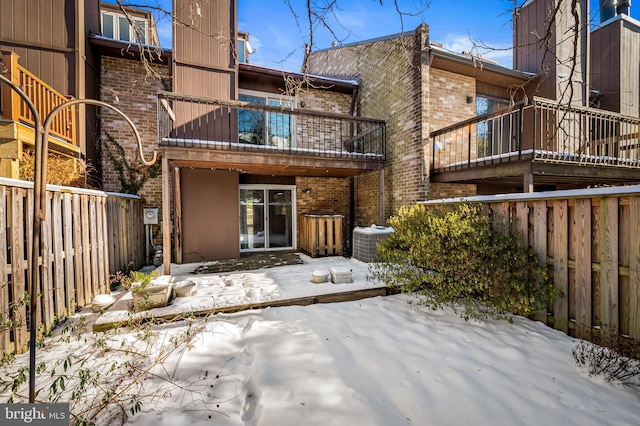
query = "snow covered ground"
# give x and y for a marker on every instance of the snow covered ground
(379, 361)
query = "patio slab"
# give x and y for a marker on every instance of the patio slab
(251, 289)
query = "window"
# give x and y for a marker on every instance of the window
(243, 47)
(266, 128)
(487, 105)
(116, 26)
(494, 135)
(242, 57)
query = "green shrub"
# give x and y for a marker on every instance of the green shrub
(140, 280)
(451, 255)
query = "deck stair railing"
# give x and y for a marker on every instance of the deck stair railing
(44, 97)
(218, 124)
(541, 130)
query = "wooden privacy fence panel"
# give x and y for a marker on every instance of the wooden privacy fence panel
(590, 241)
(82, 238)
(321, 235)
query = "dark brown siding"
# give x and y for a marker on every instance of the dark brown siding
(52, 45)
(528, 54)
(630, 69)
(210, 209)
(605, 65)
(494, 91)
(204, 53)
(261, 85)
(51, 38)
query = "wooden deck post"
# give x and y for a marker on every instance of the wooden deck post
(382, 215)
(177, 214)
(10, 100)
(166, 216)
(10, 152)
(528, 182)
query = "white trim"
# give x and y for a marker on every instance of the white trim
(26, 184)
(546, 195)
(294, 225)
(259, 94)
(116, 27)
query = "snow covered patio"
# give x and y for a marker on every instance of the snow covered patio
(376, 361)
(233, 291)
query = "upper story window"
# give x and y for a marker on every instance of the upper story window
(243, 47)
(488, 104)
(266, 128)
(242, 51)
(496, 134)
(117, 26)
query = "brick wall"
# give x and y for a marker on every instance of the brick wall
(324, 101)
(367, 199)
(316, 195)
(393, 87)
(125, 85)
(398, 86)
(448, 105)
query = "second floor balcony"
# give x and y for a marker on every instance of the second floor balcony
(541, 144)
(273, 139)
(16, 120)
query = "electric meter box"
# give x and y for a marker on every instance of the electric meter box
(151, 216)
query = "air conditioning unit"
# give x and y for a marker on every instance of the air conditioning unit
(365, 240)
(151, 216)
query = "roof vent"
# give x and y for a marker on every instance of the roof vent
(623, 6)
(607, 9)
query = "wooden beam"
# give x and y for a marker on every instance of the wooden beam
(346, 296)
(177, 214)
(270, 162)
(166, 216)
(634, 267)
(527, 184)
(512, 169)
(596, 172)
(10, 99)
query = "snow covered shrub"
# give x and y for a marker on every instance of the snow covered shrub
(600, 360)
(452, 255)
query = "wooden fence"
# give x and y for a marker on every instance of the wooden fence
(591, 243)
(87, 235)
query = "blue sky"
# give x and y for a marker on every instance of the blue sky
(273, 31)
(279, 42)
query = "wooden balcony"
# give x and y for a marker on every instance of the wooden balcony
(266, 139)
(541, 143)
(17, 123)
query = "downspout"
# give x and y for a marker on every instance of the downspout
(352, 179)
(354, 97)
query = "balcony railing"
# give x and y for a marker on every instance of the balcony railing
(43, 96)
(539, 131)
(216, 124)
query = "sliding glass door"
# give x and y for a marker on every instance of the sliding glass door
(267, 217)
